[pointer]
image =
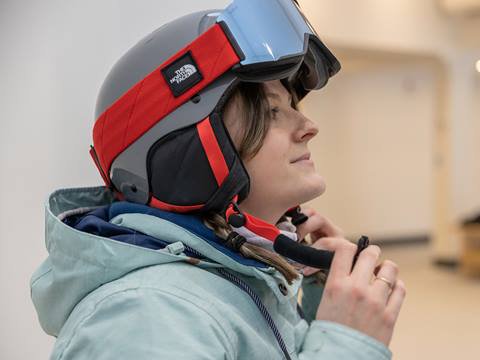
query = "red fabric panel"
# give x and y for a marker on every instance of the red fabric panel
(212, 150)
(262, 228)
(169, 207)
(151, 99)
(256, 225)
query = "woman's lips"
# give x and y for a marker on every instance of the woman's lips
(304, 157)
(305, 161)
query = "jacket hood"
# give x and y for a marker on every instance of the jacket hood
(80, 261)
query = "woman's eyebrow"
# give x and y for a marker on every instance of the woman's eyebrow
(278, 97)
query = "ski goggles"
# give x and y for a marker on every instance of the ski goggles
(275, 40)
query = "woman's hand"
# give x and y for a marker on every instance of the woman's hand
(355, 299)
(358, 299)
(317, 226)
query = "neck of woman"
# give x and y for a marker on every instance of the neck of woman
(270, 213)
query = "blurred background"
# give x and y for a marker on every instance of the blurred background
(398, 144)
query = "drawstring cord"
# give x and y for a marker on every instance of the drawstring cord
(263, 310)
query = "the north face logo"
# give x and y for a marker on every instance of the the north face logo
(183, 73)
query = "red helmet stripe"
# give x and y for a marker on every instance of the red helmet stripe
(151, 99)
(212, 150)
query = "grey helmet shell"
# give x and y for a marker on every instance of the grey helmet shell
(129, 170)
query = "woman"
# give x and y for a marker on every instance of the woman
(188, 268)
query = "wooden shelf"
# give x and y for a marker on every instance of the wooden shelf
(470, 259)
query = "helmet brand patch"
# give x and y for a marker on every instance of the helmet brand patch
(182, 74)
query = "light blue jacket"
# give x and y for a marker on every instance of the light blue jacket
(105, 299)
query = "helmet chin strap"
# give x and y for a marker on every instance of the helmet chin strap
(282, 244)
(237, 218)
(297, 216)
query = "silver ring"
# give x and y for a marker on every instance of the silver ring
(389, 283)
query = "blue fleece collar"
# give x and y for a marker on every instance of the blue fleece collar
(97, 222)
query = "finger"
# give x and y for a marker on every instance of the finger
(307, 210)
(344, 251)
(321, 245)
(317, 225)
(328, 228)
(388, 270)
(365, 265)
(396, 300)
(307, 271)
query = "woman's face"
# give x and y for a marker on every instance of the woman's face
(278, 179)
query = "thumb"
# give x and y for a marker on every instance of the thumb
(317, 226)
(329, 243)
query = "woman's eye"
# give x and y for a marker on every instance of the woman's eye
(275, 110)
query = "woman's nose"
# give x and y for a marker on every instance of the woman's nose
(307, 129)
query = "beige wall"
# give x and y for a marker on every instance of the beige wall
(375, 149)
(401, 24)
(419, 27)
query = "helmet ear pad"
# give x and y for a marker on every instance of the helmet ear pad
(180, 174)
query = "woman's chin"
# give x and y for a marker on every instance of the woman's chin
(313, 188)
(320, 189)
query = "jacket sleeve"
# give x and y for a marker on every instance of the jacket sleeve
(145, 324)
(327, 340)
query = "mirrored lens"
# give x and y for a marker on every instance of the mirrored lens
(266, 30)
